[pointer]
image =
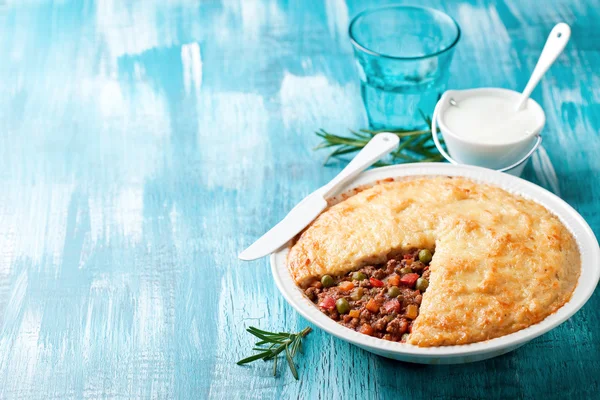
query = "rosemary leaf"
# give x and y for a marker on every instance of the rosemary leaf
(275, 353)
(340, 151)
(382, 164)
(392, 130)
(364, 136)
(323, 145)
(430, 154)
(419, 144)
(406, 143)
(413, 133)
(270, 339)
(415, 144)
(404, 157)
(278, 343)
(253, 329)
(295, 346)
(255, 357)
(437, 158)
(343, 150)
(288, 356)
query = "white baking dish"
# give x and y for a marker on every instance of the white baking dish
(590, 272)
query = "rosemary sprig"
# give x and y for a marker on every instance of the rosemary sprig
(271, 344)
(415, 144)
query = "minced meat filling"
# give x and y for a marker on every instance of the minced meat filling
(380, 301)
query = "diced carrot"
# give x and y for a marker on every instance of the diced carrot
(409, 279)
(412, 311)
(346, 286)
(376, 282)
(372, 306)
(366, 329)
(394, 280)
(354, 313)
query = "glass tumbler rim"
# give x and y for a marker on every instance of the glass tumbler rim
(371, 10)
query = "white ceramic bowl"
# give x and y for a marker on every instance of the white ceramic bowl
(497, 155)
(590, 272)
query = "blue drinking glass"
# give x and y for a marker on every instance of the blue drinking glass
(403, 55)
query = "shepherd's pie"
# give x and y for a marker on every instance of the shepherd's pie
(500, 262)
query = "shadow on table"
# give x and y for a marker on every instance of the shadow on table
(536, 370)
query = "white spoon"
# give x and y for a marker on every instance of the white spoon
(557, 40)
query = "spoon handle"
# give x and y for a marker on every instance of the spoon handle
(557, 40)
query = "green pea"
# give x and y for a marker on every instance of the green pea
(342, 305)
(327, 281)
(422, 284)
(358, 276)
(406, 270)
(393, 291)
(425, 256)
(357, 294)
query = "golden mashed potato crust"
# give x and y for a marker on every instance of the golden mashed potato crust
(501, 262)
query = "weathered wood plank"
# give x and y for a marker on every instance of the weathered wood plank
(144, 144)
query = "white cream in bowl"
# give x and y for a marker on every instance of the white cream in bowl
(482, 127)
(490, 120)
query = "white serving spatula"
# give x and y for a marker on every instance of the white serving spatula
(309, 208)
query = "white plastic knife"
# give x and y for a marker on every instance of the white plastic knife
(309, 208)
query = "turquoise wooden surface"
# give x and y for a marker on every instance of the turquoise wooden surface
(145, 143)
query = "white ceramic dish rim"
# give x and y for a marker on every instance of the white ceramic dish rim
(588, 245)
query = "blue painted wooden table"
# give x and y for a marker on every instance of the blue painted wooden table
(145, 143)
